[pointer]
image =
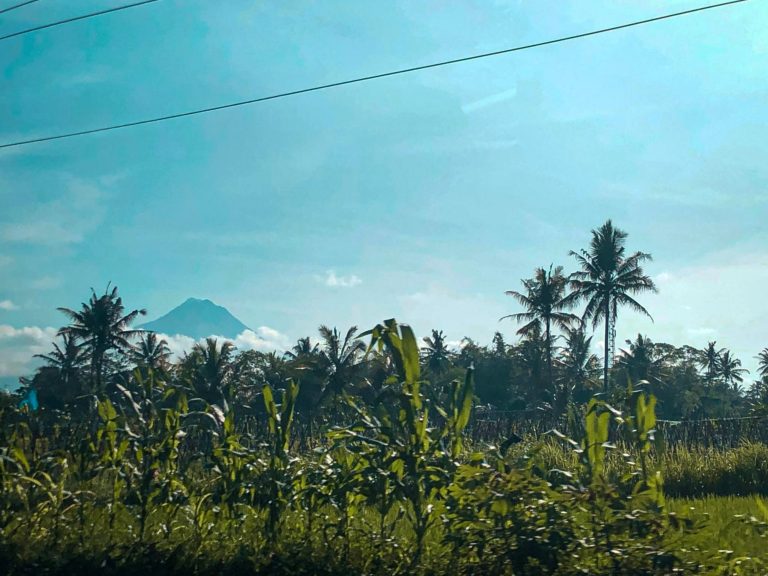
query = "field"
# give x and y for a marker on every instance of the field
(155, 482)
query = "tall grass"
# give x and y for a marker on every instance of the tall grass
(688, 472)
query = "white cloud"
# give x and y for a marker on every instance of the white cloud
(500, 144)
(64, 220)
(39, 233)
(489, 100)
(8, 305)
(178, 343)
(456, 345)
(332, 280)
(703, 331)
(19, 345)
(93, 76)
(263, 339)
(459, 314)
(45, 283)
(708, 301)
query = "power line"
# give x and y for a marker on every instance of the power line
(17, 6)
(367, 78)
(75, 19)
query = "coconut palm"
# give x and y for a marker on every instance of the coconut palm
(498, 345)
(545, 302)
(151, 353)
(339, 360)
(608, 279)
(709, 360)
(644, 360)
(67, 360)
(730, 370)
(530, 359)
(578, 365)
(303, 350)
(762, 367)
(435, 354)
(101, 325)
(210, 367)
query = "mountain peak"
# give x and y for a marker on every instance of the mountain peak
(197, 318)
(197, 301)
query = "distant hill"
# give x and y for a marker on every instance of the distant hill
(197, 319)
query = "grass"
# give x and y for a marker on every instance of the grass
(731, 527)
(695, 472)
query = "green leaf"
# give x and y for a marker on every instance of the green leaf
(466, 394)
(410, 351)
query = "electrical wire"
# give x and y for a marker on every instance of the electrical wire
(17, 6)
(367, 78)
(74, 19)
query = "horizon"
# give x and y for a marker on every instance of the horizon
(422, 197)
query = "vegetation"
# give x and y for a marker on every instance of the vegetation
(608, 279)
(372, 453)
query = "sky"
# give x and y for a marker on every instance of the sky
(423, 196)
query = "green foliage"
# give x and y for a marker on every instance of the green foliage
(155, 480)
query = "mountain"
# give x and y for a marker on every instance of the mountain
(197, 319)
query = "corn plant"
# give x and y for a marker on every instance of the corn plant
(277, 477)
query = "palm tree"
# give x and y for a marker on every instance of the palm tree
(303, 349)
(274, 369)
(339, 360)
(211, 369)
(709, 359)
(643, 361)
(436, 354)
(499, 346)
(101, 325)
(151, 353)
(578, 366)
(545, 302)
(608, 279)
(530, 361)
(731, 371)
(762, 367)
(67, 360)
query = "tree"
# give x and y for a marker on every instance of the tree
(709, 360)
(303, 350)
(644, 360)
(578, 366)
(499, 345)
(762, 367)
(529, 364)
(67, 360)
(151, 353)
(545, 301)
(101, 326)
(435, 354)
(608, 279)
(208, 369)
(731, 371)
(305, 369)
(339, 360)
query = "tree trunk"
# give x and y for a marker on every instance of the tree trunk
(607, 343)
(550, 383)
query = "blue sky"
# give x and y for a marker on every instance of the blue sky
(422, 197)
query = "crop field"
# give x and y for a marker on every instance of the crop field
(158, 483)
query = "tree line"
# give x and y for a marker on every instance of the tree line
(550, 367)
